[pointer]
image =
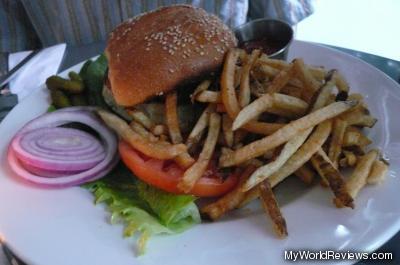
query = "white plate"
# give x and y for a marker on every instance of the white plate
(64, 227)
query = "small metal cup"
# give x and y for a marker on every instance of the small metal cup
(272, 29)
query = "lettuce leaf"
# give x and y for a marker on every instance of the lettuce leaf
(143, 208)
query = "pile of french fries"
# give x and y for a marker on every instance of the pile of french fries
(266, 119)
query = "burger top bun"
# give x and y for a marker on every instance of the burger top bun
(154, 52)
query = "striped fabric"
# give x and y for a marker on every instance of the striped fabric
(16, 31)
(79, 22)
(3, 63)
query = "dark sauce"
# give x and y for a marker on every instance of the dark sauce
(267, 46)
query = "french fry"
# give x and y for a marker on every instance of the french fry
(356, 96)
(227, 130)
(349, 160)
(159, 129)
(171, 115)
(230, 200)
(354, 136)
(159, 150)
(359, 177)
(263, 128)
(262, 70)
(267, 170)
(318, 72)
(305, 174)
(359, 116)
(310, 84)
(244, 92)
(324, 95)
(270, 102)
(271, 206)
(228, 93)
(203, 86)
(196, 171)
(280, 80)
(198, 130)
(304, 153)
(249, 196)
(184, 160)
(341, 83)
(291, 91)
(207, 96)
(378, 172)
(329, 172)
(238, 75)
(281, 136)
(335, 146)
(141, 117)
(137, 127)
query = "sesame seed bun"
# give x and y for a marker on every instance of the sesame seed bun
(154, 52)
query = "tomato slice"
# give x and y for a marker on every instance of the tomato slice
(165, 174)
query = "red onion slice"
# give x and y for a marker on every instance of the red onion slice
(48, 156)
(26, 148)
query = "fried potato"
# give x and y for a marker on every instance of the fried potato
(335, 146)
(203, 86)
(310, 84)
(305, 174)
(317, 72)
(263, 128)
(378, 172)
(198, 130)
(271, 207)
(341, 83)
(141, 117)
(207, 96)
(359, 177)
(159, 129)
(288, 131)
(354, 136)
(329, 172)
(291, 91)
(230, 200)
(304, 153)
(238, 75)
(349, 160)
(267, 170)
(280, 80)
(171, 115)
(160, 150)
(270, 102)
(359, 116)
(227, 130)
(196, 171)
(228, 93)
(244, 92)
(137, 127)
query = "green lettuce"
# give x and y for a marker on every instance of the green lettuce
(143, 208)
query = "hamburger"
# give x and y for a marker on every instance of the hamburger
(155, 61)
(159, 51)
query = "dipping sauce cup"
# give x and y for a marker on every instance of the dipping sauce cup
(272, 36)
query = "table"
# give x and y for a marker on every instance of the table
(75, 55)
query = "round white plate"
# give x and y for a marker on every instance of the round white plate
(63, 227)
